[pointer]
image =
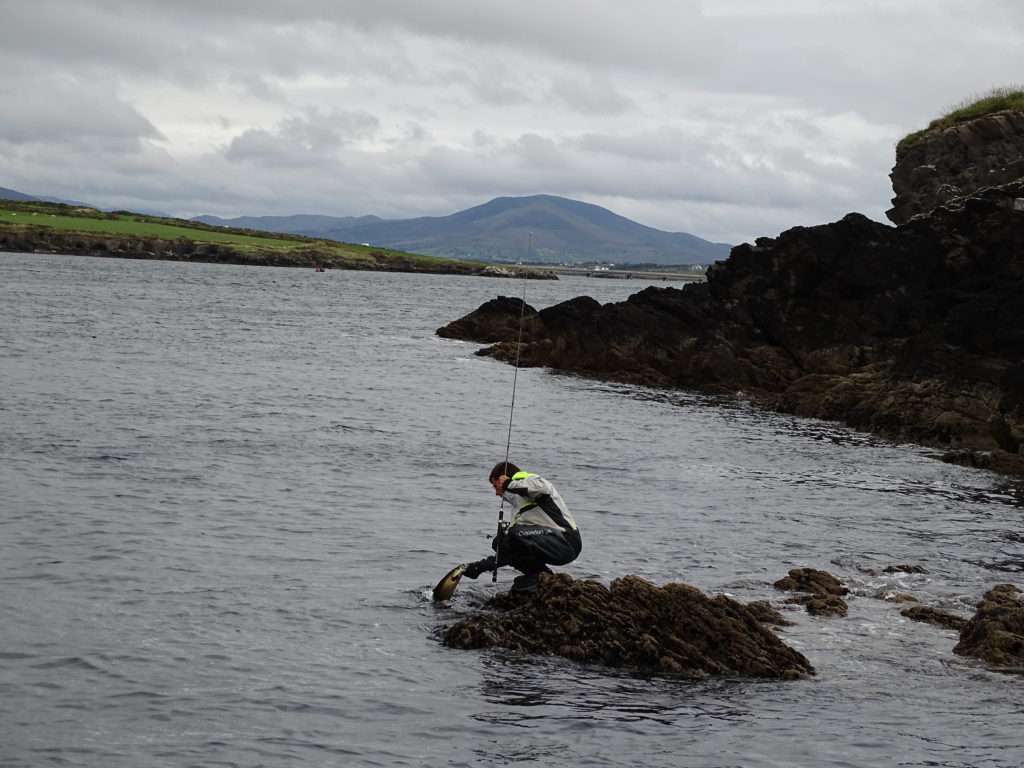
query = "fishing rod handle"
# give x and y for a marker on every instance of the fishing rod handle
(502, 527)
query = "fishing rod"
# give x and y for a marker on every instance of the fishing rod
(446, 586)
(502, 525)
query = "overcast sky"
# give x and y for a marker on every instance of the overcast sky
(729, 119)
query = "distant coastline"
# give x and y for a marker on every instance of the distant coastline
(47, 228)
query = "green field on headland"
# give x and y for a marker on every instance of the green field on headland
(127, 224)
(996, 100)
(56, 228)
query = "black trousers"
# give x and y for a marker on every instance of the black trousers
(532, 548)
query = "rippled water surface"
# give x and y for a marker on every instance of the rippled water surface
(227, 491)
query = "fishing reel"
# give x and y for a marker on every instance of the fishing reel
(499, 537)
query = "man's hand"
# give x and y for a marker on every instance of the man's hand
(473, 570)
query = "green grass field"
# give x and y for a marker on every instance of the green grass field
(142, 227)
(26, 215)
(996, 100)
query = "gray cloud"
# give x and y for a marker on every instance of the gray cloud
(717, 117)
(595, 96)
(305, 140)
(69, 110)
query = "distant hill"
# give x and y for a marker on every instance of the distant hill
(13, 194)
(563, 230)
(32, 226)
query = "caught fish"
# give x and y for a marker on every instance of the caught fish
(446, 586)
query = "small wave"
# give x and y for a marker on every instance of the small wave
(1003, 566)
(69, 662)
(137, 695)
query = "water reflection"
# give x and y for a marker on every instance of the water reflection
(568, 690)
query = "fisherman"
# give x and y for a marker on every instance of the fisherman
(542, 531)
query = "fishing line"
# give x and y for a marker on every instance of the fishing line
(511, 411)
(515, 375)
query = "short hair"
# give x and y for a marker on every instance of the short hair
(503, 468)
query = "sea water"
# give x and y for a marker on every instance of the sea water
(226, 491)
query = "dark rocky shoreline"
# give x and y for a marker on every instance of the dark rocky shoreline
(677, 630)
(913, 332)
(633, 624)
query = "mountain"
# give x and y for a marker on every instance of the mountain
(562, 230)
(13, 194)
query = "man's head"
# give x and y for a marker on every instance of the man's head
(500, 474)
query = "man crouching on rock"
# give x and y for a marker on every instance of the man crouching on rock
(542, 531)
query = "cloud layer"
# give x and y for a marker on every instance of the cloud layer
(715, 118)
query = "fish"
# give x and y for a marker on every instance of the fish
(446, 586)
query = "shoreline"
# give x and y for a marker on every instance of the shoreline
(45, 241)
(911, 333)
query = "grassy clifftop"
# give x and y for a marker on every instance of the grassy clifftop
(996, 100)
(50, 227)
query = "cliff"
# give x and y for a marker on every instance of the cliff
(956, 161)
(914, 332)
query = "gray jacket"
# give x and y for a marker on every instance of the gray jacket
(537, 502)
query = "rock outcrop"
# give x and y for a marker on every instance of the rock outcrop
(915, 332)
(905, 568)
(766, 614)
(493, 321)
(823, 591)
(957, 161)
(996, 633)
(934, 616)
(632, 624)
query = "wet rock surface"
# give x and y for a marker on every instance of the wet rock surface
(821, 605)
(915, 332)
(996, 632)
(934, 616)
(904, 568)
(825, 591)
(766, 614)
(495, 320)
(811, 580)
(635, 625)
(895, 597)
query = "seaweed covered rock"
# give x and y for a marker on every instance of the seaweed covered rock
(824, 591)
(934, 616)
(821, 605)
(904, 568)
(811, 580)
(766, 614)
(632, 624)
(996, 633)
(891, 596)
